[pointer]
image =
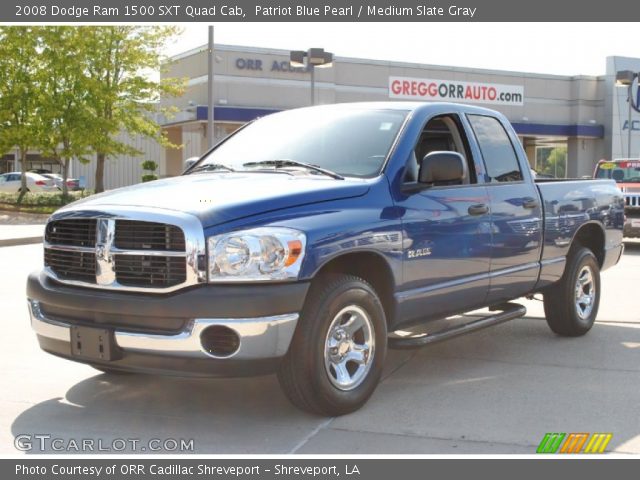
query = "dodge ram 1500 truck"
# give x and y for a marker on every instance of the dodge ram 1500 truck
(303, 241)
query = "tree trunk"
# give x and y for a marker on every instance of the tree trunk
(100, 158)
(65, 173)
(23, 177)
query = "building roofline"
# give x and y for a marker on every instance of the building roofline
(391, 63)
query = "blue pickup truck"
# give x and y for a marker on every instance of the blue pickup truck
(304, 242)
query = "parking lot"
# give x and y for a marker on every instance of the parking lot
(495, 391)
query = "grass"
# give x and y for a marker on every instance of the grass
(43, 202)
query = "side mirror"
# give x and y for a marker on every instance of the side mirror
(189, 162)
(442, 167)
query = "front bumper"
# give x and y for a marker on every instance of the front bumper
(170, 342)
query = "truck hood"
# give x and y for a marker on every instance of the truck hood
(217, 198)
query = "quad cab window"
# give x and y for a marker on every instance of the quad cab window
(499, 156)
(443, 133)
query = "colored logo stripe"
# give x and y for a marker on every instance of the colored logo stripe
(550, 443)
(574, 443)
(598, 442)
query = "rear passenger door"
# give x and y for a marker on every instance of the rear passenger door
(516, 213)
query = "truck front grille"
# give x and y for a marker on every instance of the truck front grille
(70, 265)
(135, 235)
(632, 201)
(76, 232)
(116, 253)
(149, 271)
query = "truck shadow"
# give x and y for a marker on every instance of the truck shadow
(495, 383)
(632, 248)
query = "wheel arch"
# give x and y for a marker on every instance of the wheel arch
(591, 235)
(372, 267)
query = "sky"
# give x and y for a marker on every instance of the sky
(553, 48)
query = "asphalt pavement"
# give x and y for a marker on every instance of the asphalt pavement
(497, 391)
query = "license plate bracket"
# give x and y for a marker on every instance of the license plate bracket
(93, 343)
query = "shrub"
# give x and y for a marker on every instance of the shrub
(149, 177)
(149, 165)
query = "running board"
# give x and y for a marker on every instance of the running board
(510, 311)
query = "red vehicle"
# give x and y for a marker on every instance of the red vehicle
(626, 173)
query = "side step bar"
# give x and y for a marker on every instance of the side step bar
(509, 311)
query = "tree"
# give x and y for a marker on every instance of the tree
(123, 95)
(555, 163)
(66, 121)
(19, 93)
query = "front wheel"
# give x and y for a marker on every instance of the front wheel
(571, 305)
(336, 356)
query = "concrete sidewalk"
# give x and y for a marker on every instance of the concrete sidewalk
(21, 228)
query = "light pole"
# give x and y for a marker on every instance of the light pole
(625, 78)
(210, 91)
(312, 58)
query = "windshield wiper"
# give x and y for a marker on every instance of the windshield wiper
(210, 167)
(293, 163)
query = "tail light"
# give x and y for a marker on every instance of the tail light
(41, 183)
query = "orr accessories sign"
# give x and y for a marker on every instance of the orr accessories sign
(405, 88)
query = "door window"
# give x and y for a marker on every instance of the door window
(442, 133)
(497, 150)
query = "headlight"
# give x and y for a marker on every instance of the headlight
(258, 254)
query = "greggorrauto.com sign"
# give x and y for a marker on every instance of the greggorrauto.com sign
(405, 88)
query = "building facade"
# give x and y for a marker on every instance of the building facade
(565, 123)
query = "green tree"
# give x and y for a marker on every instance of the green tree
(124, 95)
(66, 120)
(19, 92)
(552, 161)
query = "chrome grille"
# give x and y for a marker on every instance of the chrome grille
(632, 200)
(130, 253)
(149, 271)
(71, 265)
(135, 235)
(74, 232)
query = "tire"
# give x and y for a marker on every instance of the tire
(112, 371)
(566, 314)
(335, 359)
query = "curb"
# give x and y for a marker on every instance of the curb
(12, 242)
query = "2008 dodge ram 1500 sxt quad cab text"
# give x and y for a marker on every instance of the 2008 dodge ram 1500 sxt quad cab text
(300, 243)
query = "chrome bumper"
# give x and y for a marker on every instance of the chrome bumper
(262, 337)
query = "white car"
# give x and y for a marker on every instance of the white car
(10, 183)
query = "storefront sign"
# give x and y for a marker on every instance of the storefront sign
(256, 64)
(454, 91)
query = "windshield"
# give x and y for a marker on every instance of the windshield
(347, 142)
(627, 171)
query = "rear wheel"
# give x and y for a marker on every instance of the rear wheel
(336, 356)
(571, 306)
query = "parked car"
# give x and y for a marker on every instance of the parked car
(11, 182)
(626, 173)
(72, 183)
(303, 241)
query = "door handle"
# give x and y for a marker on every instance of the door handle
(478, 209)
(529, 203)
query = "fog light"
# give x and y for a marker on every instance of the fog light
(220, 341)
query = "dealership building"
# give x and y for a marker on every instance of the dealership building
(584, 117)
